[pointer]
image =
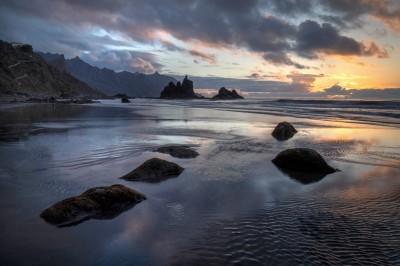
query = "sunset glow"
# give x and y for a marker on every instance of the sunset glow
(279, 48)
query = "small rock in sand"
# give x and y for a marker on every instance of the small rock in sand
(154, 170)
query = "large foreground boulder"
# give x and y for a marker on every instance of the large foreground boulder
(284, 131)
(154, 170)
(224, 94)
(97, 203)
(178, 151)
(302, 160)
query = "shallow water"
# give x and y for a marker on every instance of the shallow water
(231, 205)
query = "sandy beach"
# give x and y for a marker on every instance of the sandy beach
(230, 205)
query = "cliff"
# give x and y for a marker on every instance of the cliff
(23, 72)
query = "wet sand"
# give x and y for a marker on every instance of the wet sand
(230, 205)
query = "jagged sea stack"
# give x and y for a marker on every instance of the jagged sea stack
(179, 91)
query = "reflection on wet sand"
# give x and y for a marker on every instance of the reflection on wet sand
(30, 114)
(231, 205)
(302, 177)
(18, 124)
(357, 227)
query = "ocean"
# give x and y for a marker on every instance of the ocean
(230, 206)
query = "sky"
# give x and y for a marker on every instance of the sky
(270, 48)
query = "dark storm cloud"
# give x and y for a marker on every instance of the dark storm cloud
(313, 38)
(291, 7)
(253, 25)
(388, 11)
(282, 59)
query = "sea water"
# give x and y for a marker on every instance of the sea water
(230, 206)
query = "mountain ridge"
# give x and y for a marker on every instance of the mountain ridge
(109, 81)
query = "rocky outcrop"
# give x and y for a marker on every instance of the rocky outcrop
(179, 91)
(284, 131)
(302, 160)
(154, 170)
(96, 203)
(125, 100)
(178, 151)
(224, 94)
(23, 72)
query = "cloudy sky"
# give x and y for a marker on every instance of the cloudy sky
(334, 48)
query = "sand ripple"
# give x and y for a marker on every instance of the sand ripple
(316, 231)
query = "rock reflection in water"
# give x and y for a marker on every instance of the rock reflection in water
(303, 177)
(104, 215)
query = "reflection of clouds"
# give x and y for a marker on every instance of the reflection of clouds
(378, 183)
(362, 151)
(177, 208)
(356, 224)
(230, 159)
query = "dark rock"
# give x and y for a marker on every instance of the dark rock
(97, 203)
(179, 91)
(302, 160)
(154, 170)
(224, 94)
(178, 151)
(284, 131)
(125, 100)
